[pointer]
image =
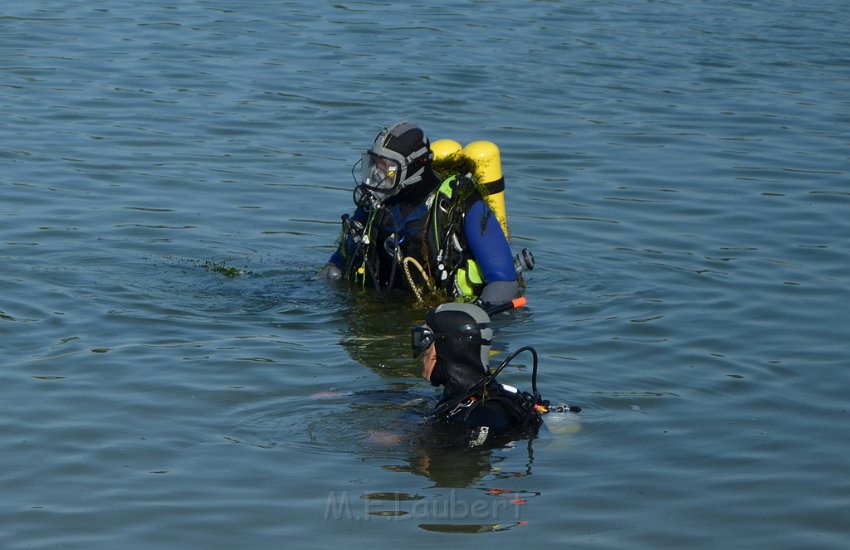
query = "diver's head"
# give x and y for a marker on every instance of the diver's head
(461, 336)
(398, 159)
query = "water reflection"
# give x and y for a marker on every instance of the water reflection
(377, 332)
(476, 500)
(466, 489)
(445, 466)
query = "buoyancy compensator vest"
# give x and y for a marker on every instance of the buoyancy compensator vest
(452, 265)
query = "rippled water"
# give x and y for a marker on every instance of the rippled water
(174, 174)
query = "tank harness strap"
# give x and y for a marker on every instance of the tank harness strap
(398, 241)
(357, 244)
(456, 270)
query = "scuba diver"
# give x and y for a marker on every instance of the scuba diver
(411, 224)
(454, 345)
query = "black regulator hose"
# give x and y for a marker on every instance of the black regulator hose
(510, 358)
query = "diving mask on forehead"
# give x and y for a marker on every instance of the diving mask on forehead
(423, 336)
(421, 339)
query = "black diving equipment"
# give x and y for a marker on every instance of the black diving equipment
(540, 405)
(421, 337)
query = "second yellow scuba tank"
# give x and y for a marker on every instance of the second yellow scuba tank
(488, 160)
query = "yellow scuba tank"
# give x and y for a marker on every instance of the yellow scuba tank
(487, 158)
(443, 148)
(488, 162)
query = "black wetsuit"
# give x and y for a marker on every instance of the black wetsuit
(491, 417)
(472, 399)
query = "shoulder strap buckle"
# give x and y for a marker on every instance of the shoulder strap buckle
(468, 404)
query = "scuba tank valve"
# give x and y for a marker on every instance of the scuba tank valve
(524, 261)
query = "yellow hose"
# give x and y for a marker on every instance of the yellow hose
(405, 263)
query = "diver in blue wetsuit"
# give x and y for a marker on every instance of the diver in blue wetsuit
(411, 229)
(475, 409)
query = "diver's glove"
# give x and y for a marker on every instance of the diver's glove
(330, 272)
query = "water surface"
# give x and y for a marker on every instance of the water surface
(174, 175)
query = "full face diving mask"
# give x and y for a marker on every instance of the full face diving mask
(378, 174)
(396, 160)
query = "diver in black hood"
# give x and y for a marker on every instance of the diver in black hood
(455, 346)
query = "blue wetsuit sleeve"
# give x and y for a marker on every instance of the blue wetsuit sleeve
(489, 246)
(336, 259)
